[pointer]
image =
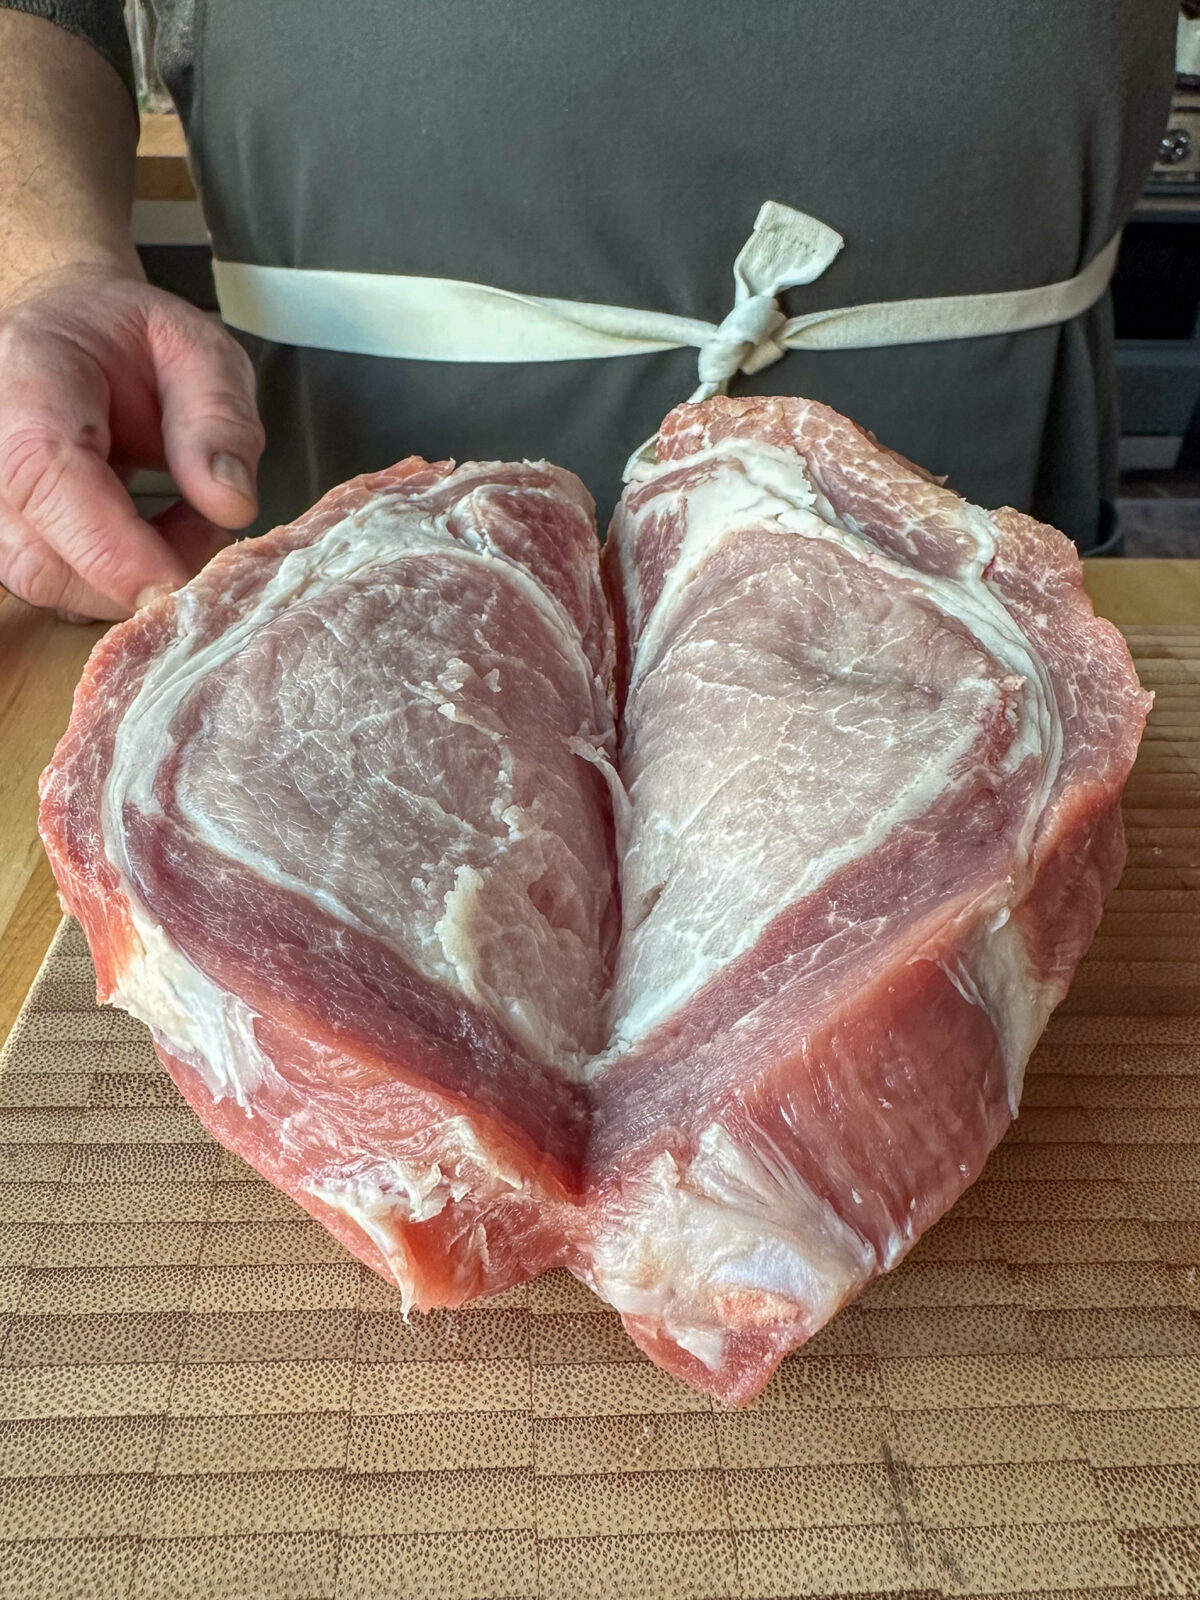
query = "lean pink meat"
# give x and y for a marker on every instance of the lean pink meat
(704, 961)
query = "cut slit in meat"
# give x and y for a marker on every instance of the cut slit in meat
(861, 821)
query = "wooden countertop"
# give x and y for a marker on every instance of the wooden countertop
(41, 659)
(162, 169)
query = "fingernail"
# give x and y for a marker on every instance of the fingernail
(73, 616)
(151, 593)
(233, 473)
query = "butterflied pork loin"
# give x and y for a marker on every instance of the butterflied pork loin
(874, 744)
(721, 1020)
(336, 822)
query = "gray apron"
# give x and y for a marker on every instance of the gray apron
(617, 152)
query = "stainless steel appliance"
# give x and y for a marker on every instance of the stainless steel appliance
(1156, 287)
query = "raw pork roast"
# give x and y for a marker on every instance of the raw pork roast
(719, 1012)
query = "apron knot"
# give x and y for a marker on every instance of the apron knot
(744, 342)
(787, 248)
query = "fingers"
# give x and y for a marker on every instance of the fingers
(56, 482)
(122, 368)
(33, 572)
(75, 505)
(193, 538)
(212, 436)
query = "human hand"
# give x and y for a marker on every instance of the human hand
(101, 374)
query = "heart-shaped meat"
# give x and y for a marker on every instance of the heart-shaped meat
(720, 1012)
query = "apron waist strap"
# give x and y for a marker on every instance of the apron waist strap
(444, 319)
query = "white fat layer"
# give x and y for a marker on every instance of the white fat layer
(460, 1136)
(381, 1193)
(999, 978)
(393, 1191)
(764, 485)
(735, 1235)
(190, 1016)
(453, 931)
(375, 1220)
(388, 529)
(717, 509)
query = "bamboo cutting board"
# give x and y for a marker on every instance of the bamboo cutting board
(202, 1395)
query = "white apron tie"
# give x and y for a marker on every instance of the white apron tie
(445, 319)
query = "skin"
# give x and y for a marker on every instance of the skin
(100, 373)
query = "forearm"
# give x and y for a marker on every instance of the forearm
(68, 139)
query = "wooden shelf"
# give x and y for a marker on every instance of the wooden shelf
(162, 167)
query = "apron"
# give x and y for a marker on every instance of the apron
(616, 154)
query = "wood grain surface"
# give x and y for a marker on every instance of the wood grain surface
(40, 662)
(202, 1395)
(162, 166)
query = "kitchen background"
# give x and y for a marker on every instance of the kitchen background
(1156, 295)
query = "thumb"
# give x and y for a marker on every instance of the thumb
(212, 436)
(192, 537)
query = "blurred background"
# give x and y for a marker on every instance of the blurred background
(1156, 302)
(1156, 294)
